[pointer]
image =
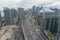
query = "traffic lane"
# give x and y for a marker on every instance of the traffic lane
(19, 33)
(37, 37)
(30, 28)
(27, 31)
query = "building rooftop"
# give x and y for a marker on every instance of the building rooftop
(46, 10)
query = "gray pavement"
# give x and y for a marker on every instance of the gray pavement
(30, 32)
(26, 31)
(18, 33)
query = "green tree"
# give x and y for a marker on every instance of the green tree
(37, 22)
(17, 23)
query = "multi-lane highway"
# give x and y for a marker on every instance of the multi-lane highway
(30, 31)
(18, 32)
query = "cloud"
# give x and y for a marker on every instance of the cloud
(28, 3)
(9, 3)
(54, 4)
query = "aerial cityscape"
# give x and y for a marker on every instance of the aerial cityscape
(35, 23)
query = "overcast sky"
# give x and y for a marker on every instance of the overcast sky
(28, 3)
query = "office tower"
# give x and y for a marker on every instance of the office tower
(20, 18)
(13, 16)
(48, 16)
(20, 13)
(51, 22)
(58, 29)
(33, 9)
(7, 15)
(0, 20)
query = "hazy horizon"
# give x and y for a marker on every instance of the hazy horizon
(28, 3)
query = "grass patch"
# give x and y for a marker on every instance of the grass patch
(17, 23)
(50, 35)
(37, 22)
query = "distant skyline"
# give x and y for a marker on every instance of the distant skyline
(28, 3)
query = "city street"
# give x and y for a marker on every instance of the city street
(30, 31)
(19, 33)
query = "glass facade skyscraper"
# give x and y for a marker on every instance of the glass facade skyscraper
(51, 22)
(13, 15)
(20, 13)
(7, 16)
(0, 20)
